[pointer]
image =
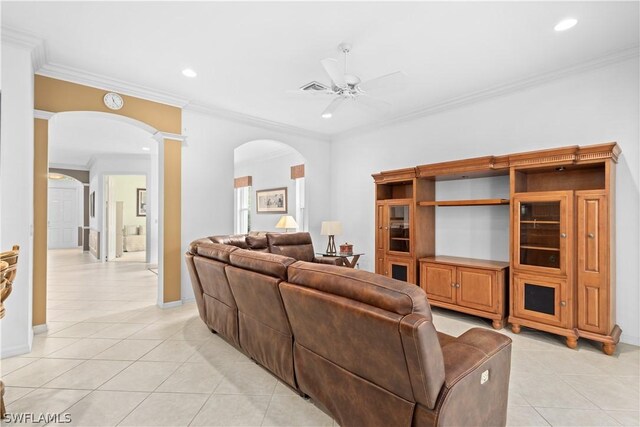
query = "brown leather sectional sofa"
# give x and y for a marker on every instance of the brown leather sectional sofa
(361, 345)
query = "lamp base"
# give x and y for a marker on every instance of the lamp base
(331, 246)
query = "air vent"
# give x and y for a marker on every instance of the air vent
(314, 87)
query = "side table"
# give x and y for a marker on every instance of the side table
(350, 263)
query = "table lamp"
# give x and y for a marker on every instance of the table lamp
(287, 222)
(331, 229)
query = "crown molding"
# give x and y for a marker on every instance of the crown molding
(27, 41)
(255, 121)
(496, 91)
(99, 81)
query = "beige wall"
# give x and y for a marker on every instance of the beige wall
(125, 191)
(56, 96)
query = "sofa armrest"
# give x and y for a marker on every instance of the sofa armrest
(331, 260)
(477, 369)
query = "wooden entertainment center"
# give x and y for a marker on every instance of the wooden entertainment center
(561, 274)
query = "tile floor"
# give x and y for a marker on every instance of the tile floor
(111, 357)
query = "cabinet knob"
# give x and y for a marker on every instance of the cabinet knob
(380, 227)
(563, 303)
(453, 285)
(591, 236)
(563, 235)
(457, 285)
(386, 228)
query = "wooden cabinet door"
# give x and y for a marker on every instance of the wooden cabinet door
(398, 227)
(477, 288)
(542, 299)
(542, 232)
(380, 227)
(438, 281)
(400, 268)
(593, 261)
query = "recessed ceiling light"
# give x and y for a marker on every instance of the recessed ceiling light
(56, 176)
(188, 72)
(326, 115)
(565, 24)
(146, 149)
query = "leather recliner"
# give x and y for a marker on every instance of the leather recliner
(361, 345)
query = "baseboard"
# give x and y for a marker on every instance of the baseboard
(15, 351)
(40, 329)
(630, 339)
(171, 304)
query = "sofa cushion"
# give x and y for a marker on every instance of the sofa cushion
(265, 263)
(237, 240)
(294, 245)
(257, 242)
(369, 288)
(215, 251)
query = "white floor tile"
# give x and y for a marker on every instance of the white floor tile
(166, 409)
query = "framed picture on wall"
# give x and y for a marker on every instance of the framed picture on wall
(141, 202)
(273, 200)
(92, 204)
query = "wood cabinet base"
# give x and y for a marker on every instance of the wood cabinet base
(609, 342)
(467, 285)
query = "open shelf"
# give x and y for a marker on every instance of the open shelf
(472, 202)
(540, 248)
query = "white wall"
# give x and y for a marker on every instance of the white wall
(270, 173)
(207, 177)
(589, 108)
(125, 190)
(16, 187)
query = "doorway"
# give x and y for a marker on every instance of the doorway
(66, 204)
(126, 218)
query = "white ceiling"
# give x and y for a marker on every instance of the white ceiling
(76, 138)
(248, 54)
(262, 150)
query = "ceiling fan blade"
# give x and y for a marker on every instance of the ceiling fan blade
(371, 102)
(333, 71)
(388, 80)
(333, 106)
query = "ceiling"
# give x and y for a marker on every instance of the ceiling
(248, 54)
(77, 138)
(262, 150)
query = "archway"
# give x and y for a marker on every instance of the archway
(267, 165)
(164, 123)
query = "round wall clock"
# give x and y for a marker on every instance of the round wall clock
(113, 101)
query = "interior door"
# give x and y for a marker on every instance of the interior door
(63, 218)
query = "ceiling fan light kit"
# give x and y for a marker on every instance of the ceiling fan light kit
(345, 86)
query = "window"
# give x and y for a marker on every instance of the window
(300, 203)
(242, 223)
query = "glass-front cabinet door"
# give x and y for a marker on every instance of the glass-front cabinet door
(541, 299)
(399, 227)
(541, 228)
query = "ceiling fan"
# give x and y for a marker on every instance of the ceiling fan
(348, 87)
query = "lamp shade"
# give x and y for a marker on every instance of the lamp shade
(287, 221)
(331, 228)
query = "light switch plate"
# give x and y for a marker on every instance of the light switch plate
(485, 377)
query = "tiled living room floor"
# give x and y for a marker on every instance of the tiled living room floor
(111, 357)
